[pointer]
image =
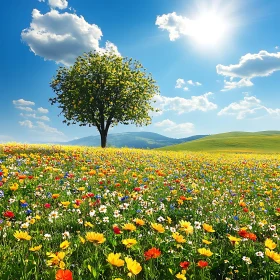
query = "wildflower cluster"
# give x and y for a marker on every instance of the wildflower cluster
(86, 213)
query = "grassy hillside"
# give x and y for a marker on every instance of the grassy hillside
(257, 142)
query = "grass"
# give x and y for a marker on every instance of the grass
(244, 142)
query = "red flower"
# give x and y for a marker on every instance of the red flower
(137, 189)
(9, 214)
(63, 275)
(202, 264)
(152, 253)
(47, 205)
(252, 236)
(278, 209)
(243, 233)
(184, 264)
(117, 230)
(245, 209)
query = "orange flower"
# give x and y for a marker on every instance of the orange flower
(252, 236)
(152, 253)
(63, 275)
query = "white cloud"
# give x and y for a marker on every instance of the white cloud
(183, 105)
(185, 88)
(249, 106)
(41, 0)
(177, 130)
(165, 123)
(34, 116)
(261, 64)
(179, 83)
(175, 25)
(48, 129)
(242, 83)
(60, 4)
(27, 109)
(62, 37)
(27, 123)
(22, 102)
(190, 82)
(42, 110)
(276, 47)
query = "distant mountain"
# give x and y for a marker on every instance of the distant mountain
(141, 140)
(247, 142)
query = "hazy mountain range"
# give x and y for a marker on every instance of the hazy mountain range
(143, 140)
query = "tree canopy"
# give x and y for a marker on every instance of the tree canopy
(103, 90)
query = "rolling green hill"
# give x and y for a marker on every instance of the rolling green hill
(247, 142)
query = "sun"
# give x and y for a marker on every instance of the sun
(209, 29)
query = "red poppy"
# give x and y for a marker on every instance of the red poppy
(47, 205)
(278, 209)
(9, 214)
(202, 264)
(245, 209)
(152, 253)
(185, 264)
(63, 275)
(117, 230)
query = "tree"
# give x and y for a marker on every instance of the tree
(103, 90)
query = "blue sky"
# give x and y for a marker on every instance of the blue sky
(216, 62)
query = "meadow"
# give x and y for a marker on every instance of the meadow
(89, 213)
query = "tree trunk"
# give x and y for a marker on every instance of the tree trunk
(103, 135)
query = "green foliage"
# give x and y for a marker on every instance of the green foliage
(103, 90)
(248, 142)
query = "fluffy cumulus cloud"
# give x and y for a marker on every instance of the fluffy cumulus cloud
(42, 110)
(249, 106)
(60, 4)
(176, 25)
(177, 130)
(22, 102)
(181, 82)
(261, 64)
(183, 105)
(228, 85)
(48, 129)
(62, 37)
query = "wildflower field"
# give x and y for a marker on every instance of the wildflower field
(88, 213)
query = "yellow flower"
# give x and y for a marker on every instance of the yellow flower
(158, 227)
(270, 244)
(133, 266)
(94, 237)
(88, 224)
(181, 276)
(65, 203)
(139, 222)
(32, 221)
(56, 259)
(234, 239)
(205, 252)
(208, 228)
(206, 241)
(178, 237)
(55, 195)
(169, 220)
(82, 240)
(64, 245)
(129, 242)
(129, 227)
(186, 227)
(35, 248)
(114, 259)
(273, 255)
(14, 187)
(22, 235)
